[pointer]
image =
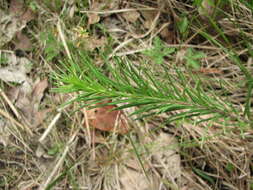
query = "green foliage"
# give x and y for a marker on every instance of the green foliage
(230, 167)
(54, 5)
(2, 182)
(251, 185)
(138, 86)
(59, 178)
(159, 51)
(248, 4)
(183, 26)
(193, 57)
(54, 150)
(197, 3)
(33, 5)
(52, 46)
(234, 57)
(3, 60)
(204, 175)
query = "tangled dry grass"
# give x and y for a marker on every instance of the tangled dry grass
(43, 146)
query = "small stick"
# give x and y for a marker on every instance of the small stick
(87, 126)
(168, 45)
(10, 104)
(6, 115)
(63, 39)
(120, 46)
(118, 11)
(49, 128)
(59, 163)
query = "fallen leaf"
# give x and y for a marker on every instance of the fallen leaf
(93, 43)
(28, 15)
(18, 9)
(106, 119)
(131, 16)
(4, 132)
(168, 35)
(23, 103)
(132, 177)
(38, 90)
(134, 180)
(114, 26)
(14, 20)
(149, 17)
(24, 43)
(27, 98)
(16, 69)
(36, 116)
(166, 158)
(98, 5)
(9, 26)
(93, 18)
(40, 116)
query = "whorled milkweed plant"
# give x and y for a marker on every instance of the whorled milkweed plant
(183, 95)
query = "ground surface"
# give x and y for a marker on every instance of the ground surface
(47, 144)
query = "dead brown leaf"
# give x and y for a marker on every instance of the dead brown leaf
(136, 180)
(93, 18)
(40, 116)
(17, 8)
(101, 5)
(131, 16)
(9, 26)
(39, 89)
(4, 132)
(28, 15)
(23, 42)
(16, 70)
(14, 20)
(28, 102)
(93, 43)
(131, 174)
(149, 17)
(166, 158)
(23, 103)
(106, 119)
(168, 35)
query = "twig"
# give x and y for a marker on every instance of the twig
(53, 122)
(159, 30)
(49, 128)
(59, 163)
(87, 126)
(118, 11)
(6, 115)
(10, 104)
(63, 39)
(120, 46)
(152, 27)
(168, 45)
